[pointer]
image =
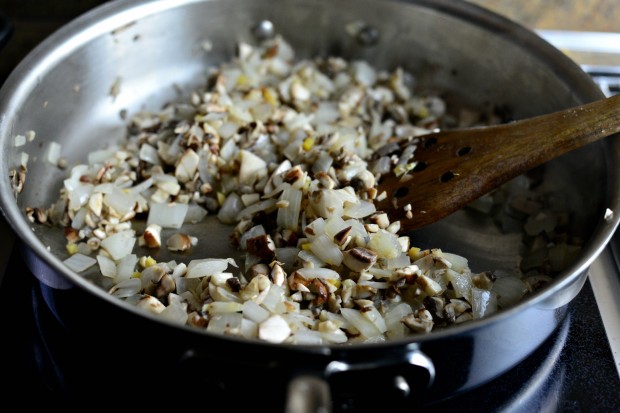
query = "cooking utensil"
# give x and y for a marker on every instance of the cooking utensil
(150, 51)
(455, 167)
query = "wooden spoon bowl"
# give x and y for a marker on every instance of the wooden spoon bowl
(455, 167)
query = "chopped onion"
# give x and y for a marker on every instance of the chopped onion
(509, 290)
(366, 327)
(206, 267)
(225, 323)
(484, 302)
(195, 213)
(106, 266)
(167, 215)
(127, 288)
(254, 312)
(53, 153)
(230, 209)
(252, 168)
(120, 244)
(126, 267)
(288, 217)
(79, 262)
(325, 249)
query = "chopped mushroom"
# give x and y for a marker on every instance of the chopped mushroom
(359, 259)
(420, 322)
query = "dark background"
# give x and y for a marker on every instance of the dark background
(32, 21)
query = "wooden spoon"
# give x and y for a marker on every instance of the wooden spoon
(456, 167)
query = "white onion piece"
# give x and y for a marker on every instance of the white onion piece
(287, 256)
(274, 299)
(461, 283)
(105, 188)
(79, 262)
(175, 311)
(325, 249)
(323, 163)
(249, 329)
(167, 215)
(379, 285)
(375, 317)
(79, 218)
(141, 187)
(307, 336)
(230, 149)
(399, 262)
(385, 244)
(336, 336)
(483, 303)
(323, 273)
(106, 266)
(227, 130)
(149, 154)
(315, 228)
(393, 317)
(364, 73)
(288, 217)
(225, 323)
(78, 197)
(121, 201)
(255, 231)
(366, 327)
(326, 112)
(217, 307)
(126, 288)
(334, 225)
(250, 211)
(195, 213)
(459, 263)
(380, 272)
(53, 153)
(230, 209)
(275, 329)
(254, 312)
(126, 267)
(187, 166)
(206, 267)
(328, 203)
(509, 290)
(310, 260)
(167, 183)
(252, 168)
(120, 244)
(101, 156)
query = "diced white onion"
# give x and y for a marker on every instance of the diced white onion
(120, 244)
(167, 215)
(366, 327)
(206, 267)
(325, 249)
(106, 266)
(323, 273)
(79, 262)
(53, 153)
(509, 290)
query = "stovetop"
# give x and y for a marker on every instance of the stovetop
(576, 370)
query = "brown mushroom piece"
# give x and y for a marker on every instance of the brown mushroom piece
(359, 259)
